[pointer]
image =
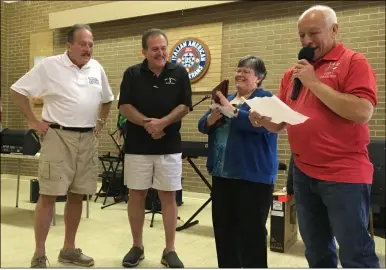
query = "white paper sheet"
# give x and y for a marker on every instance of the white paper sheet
(276, 109)
(228, 112)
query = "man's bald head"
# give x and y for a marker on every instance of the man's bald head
(318, 27)
(325, 11)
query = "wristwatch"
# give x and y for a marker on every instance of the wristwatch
(236, 111)
(101, 121)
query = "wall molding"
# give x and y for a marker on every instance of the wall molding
(122, 10)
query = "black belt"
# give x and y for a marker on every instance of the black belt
(77, 129)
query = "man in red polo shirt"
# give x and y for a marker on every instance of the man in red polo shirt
(332, 174)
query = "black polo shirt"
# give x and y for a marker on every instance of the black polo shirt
(154, 97)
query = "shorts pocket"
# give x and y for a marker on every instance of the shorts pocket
(173, 158)
(50, 169)
(51, 162)
(93, 167)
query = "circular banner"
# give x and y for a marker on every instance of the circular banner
(194, 55)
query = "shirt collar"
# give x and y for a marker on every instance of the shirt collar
(252, 95)
(67, 61)
(335, 53)
(168, 65)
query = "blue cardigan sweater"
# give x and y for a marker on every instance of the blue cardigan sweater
(250, 152)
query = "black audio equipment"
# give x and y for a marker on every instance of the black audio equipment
(24, 142)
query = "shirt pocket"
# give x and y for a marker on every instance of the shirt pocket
(94, 81)
(95, 89)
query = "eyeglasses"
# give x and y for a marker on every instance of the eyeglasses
(243, 71)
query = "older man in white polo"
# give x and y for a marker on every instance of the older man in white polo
(73, 86)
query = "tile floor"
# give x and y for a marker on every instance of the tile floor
(106, 236)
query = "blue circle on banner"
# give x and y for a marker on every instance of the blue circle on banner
(194, 55)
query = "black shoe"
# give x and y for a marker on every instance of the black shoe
(171, 260)
(133, 257)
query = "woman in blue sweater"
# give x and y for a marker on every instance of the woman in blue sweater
(243, 163)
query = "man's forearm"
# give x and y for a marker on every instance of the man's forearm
(176, 114)
(104, 110)
(23, 104)
(347, 106)
(132, 114)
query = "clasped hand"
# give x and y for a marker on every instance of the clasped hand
(155, 127)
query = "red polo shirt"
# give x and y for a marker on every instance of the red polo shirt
(327, 146)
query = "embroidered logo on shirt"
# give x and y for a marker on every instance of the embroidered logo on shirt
(330, 71)
(170, 80)
(93, 80)
(332, 66)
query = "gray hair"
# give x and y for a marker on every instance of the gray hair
(329, 13)
(152, 32)
(74, 28)
(256, 64)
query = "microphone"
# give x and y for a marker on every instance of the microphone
(308, 54)
(203, 99)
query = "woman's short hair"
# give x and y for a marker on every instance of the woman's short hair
(256, 64)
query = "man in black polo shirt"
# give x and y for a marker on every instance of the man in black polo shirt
(155, 95)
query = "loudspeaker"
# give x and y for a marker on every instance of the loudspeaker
(34, 191)
(152, 196)
(117, 186)
(25, 142)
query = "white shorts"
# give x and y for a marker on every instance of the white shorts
(161, 172)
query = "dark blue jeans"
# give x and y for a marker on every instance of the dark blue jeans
(327, 209)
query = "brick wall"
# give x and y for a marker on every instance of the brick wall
(266, 29)
(3, 66)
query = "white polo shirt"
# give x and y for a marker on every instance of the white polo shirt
(71, 95)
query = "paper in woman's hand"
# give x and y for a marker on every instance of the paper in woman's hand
(226, 111)
(276, 109)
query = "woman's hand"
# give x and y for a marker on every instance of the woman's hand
(214, 115)
(255, 118)
(223, 100)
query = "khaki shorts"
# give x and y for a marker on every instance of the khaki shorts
(68, 162)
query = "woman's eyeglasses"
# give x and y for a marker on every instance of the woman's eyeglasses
(243, 71)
